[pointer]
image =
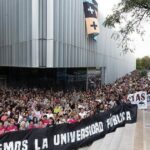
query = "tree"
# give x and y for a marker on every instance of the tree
(138, 64)
(143, 63)
(130, 15)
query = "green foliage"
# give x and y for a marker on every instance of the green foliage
(143, 73)
(130, 16)
(138, 64)
(143, 63)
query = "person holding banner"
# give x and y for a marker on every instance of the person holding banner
(44, 108)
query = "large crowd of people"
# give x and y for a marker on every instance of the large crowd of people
(22, 109)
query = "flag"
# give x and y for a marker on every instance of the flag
(91, 18)
(92, 26)
(89, 10)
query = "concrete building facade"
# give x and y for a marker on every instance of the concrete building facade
(51, 34)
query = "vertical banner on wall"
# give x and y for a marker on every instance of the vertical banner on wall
(91, 18)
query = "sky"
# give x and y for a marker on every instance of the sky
(142, 47)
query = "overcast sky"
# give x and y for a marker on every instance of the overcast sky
(142, 47)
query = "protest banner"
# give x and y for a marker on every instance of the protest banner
(148, 99)
(148, 75)
(139, 98)
(70, 136)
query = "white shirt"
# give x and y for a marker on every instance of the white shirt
(82, 115)
(50, 115)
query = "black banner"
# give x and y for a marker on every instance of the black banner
(70, 136)
(89, 10)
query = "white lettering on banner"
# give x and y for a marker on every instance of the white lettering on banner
(139, 98)
(56, 140)
(116, 119)
(45, 143)
(78, 135)
(72, 136)
(86, 132)
(68, 139)
(43, 146)
(17, 145)
(9, 146)
(36, 145)
(25, 145)
(65, 138)
(82, 134)
(128, 116)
